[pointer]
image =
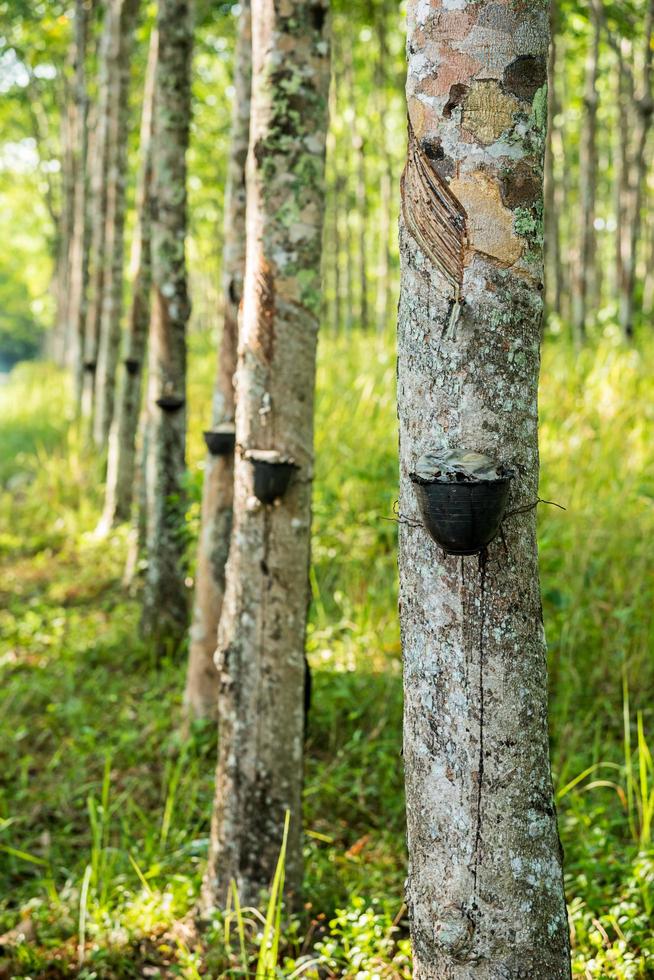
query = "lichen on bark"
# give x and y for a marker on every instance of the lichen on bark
(485, 888)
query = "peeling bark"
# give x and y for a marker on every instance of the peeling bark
(485, 889)
(122, 439)
(165, 608)
(217, 491)
(112, 279)
(261, 636)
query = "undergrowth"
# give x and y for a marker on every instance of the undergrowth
(104, 807)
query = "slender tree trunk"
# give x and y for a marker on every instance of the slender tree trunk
(112, 285)
(202, 680)
(98, 211)
(261, 636)
(644, 112)
(553, 274)
(585, 272)
(80, 241)
(386, 179)
(485, 887)
(122, 439)
(61, 334)
(165, 609)
(625, 99)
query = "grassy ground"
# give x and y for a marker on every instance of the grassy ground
(104, 809)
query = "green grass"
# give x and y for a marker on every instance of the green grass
(104, 808)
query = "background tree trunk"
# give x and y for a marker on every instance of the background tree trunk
(122, 439)
(643, 107)
(79, 258)
(585, 278)
(553, 275)
(262, 629)
(165, 609)
(98, 210)
(485, 888)
(217, 491)
(112, 283)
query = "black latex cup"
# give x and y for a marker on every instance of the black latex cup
(132, 365)
(271, 479)
(220, 441)
(169, 403)
(462, 517)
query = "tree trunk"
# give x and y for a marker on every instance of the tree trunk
(165, 609)
(585, 277)
(98, 211)
(80, 241)
(112, 284)
(61, 332)
(485, 888)
(553, 274)
(217, 491)
(644, 112)
(262, 628)
(122, 439)
(625, 100)
(383, 292)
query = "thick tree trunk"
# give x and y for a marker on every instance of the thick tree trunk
(165, 609)
(485, 888)
(262, 628)
(122, 439)
(98, 211)
(202, 681)
(585, 273)
(112, 286)
(79, 260)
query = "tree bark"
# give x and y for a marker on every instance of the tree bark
(112, 281)
(165, 607)
(585, 273)
(485, 888)
(262, 628)
(98, 211)
(122, 439)
(201, 695)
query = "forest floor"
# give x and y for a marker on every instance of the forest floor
(104, 806)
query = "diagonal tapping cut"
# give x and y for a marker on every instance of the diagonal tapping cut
(433, 215)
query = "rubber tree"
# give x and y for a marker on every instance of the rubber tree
(261, 636)
(165, 611)
(585, 278)
(485, 887)
(79, 250)
(122, 438)
(98, 211)
(217, 489)
(112, 277)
